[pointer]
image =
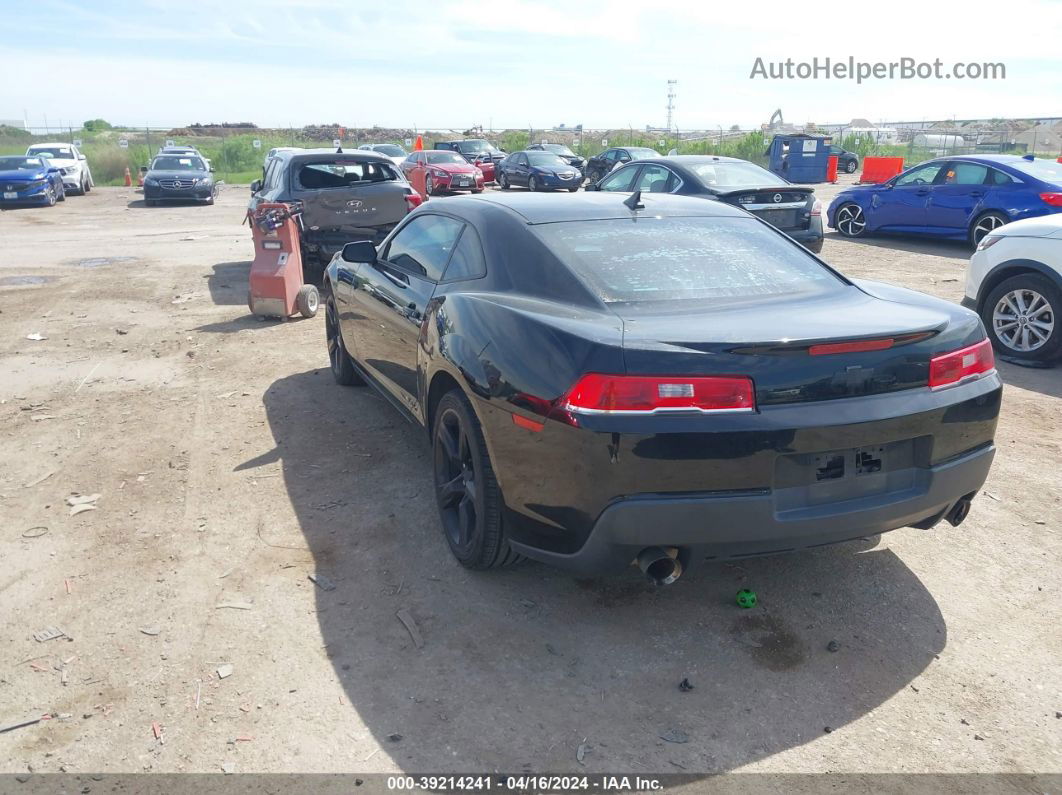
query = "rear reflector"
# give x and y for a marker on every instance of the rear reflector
(1054, 199)
(596, 393)
(413, 201)
(524, 422)
(851, 347)
(970, 362)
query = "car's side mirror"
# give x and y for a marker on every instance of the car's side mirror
(213, 169)
(359, 251)
(591, 187)
(143, 169)
(256, 186)
(81, 156)
(54, 170)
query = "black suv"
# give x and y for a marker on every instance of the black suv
(345, 196)
(474, 150)
(600, 164)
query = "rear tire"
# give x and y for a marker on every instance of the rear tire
(532, 184)
(307, 300)
(340, 362)
(985, 224)
(1041, 300)
(62, 193)
(850, 167)
(503, 182)
(467, 493)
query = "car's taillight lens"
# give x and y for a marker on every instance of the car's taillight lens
(413, 200)
(598, 393)
(951, 368)
(816, 208)
(1054, 199)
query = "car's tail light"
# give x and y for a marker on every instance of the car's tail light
(970, 362)
(596, 393)
(856, 346)
(1053, 199)
(413, 201)
(816, 208)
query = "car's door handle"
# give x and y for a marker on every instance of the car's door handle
(976, 193)
(398, 281)
(922, 192)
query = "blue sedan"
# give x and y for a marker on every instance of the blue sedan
(537, 171)
(30, 180)
(956, 198)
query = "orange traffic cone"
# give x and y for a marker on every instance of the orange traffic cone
(128, 178)
(419, 145)
(140, 179)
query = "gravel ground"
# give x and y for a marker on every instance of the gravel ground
(230, 467)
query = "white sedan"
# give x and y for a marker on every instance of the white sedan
(73, 164)
(1015, 284)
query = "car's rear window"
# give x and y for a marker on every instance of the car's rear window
(664, 259)
(726, 176)
(1047, 170)
(342, 174)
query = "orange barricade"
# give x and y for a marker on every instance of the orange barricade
(1060, 159)
(879, 169)
(831, 169)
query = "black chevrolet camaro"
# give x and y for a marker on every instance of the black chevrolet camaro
(658, 378)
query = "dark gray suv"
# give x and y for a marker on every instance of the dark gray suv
(345, 196)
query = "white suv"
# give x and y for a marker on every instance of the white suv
(74, 166)
(1015, 284)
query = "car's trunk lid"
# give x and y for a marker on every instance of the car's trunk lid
(779, 341)
(786, 207)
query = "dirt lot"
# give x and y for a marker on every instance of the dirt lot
(230, 467)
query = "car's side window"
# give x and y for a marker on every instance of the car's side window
(423, 246)
(965, 174)
(920, 176)
(467, 261)
(997, 177)
(610, 155)
(621, 179)
(521, 160)
(654, 179)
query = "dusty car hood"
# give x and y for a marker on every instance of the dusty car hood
(22, 175)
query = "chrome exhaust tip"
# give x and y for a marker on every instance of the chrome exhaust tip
(658, 566)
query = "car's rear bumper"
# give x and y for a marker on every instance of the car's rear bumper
(731, 525)
(811, 238)
(590, 498)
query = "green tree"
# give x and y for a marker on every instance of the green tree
(96, 125)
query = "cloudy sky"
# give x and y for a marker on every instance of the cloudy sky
(510, 63)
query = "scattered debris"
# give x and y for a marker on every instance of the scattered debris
(69, 586)
(36, 336)
(326, 584)
(685, 686)
(23, 724)
(153, 631)
(224, 671)
(833, 646)
(48, 633)
(198, 692)
(674, 736)
(156, 730)
(978, 737)
(827, 729)
(228, 768)
(581, 751)
(991, 496)
(121, 332)
(81, 509)
(39, 417)
(183, 298)
(35, 532)
(964, 722)
(233, 605)
(41, 479)
(79, 503)
(395, 738)
(224, 395)
(411, 626)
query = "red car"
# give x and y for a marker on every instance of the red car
(433, 171)
(486, 165)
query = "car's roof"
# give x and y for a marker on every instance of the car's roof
(357, 155)
(53, 143)
(541, 208)
(693, 160)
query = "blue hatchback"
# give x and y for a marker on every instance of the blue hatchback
(957, 198)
